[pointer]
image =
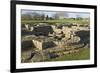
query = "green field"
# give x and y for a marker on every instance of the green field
(55, 21)
(84, 54)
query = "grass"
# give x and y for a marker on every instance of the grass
(55, 21)
(82, 55)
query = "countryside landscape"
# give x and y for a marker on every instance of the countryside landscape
(48, 36)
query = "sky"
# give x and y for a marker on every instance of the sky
(63, 13)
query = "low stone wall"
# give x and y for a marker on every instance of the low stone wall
(38, 44)
(59, 43)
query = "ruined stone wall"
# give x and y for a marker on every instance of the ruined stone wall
(58, 30)
(27, 26)
(67, 32)
(59, 43)
(53, 27)
(31, 28)
(38, 44)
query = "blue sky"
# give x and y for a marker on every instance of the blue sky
(51, 13)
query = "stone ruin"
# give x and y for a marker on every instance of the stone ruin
(50, 36)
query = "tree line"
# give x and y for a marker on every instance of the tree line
(35, 16)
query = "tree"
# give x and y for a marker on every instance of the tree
(78, 17)
(47, 17)
(42, 17)
(36, 16)
(26, 17)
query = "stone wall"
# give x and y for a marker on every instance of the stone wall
(59, 43)
(67, 32)
(38, 44)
